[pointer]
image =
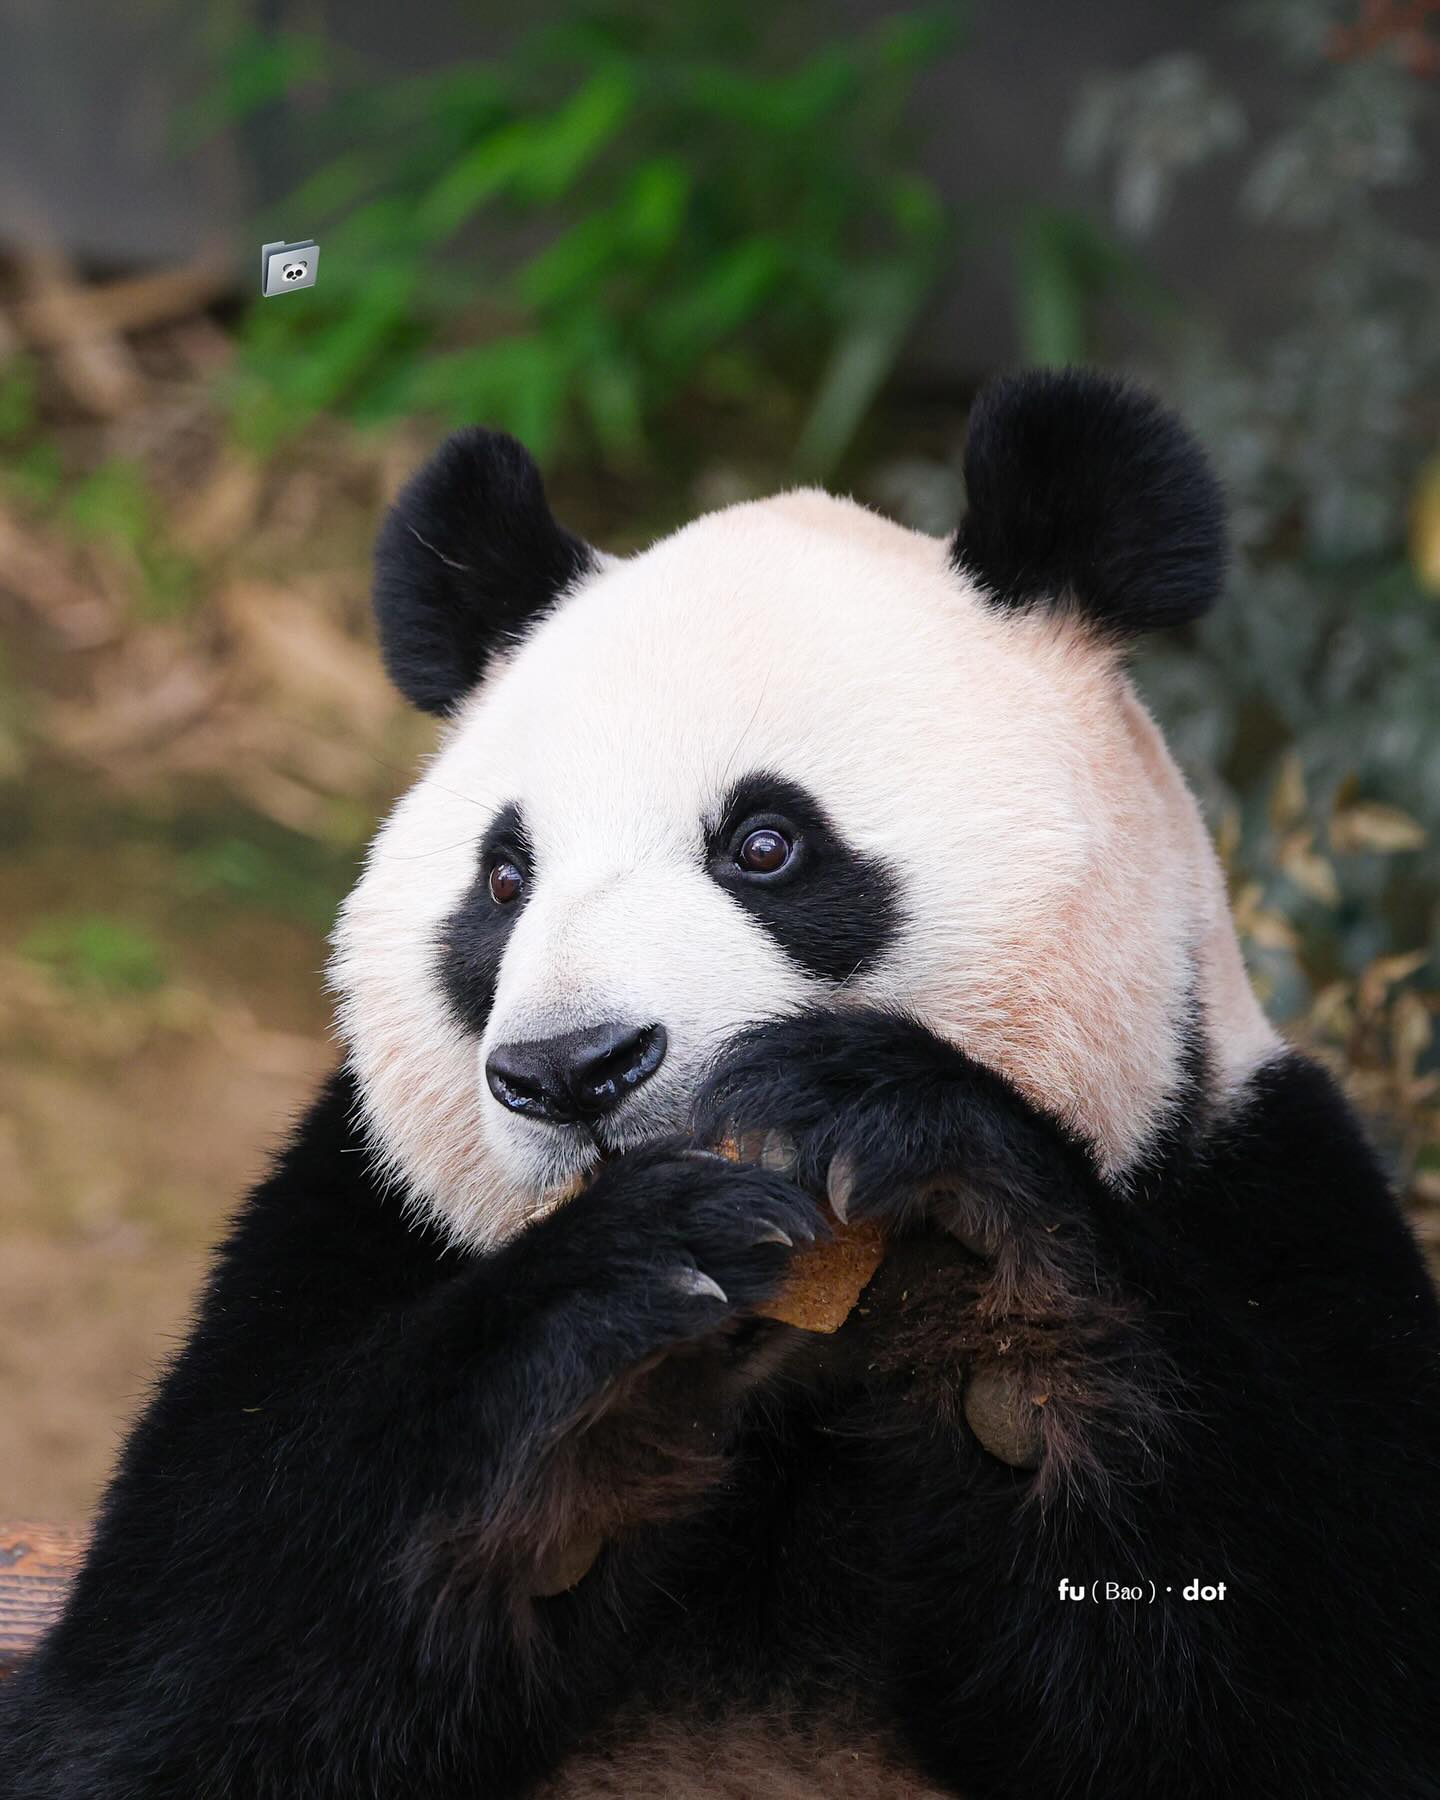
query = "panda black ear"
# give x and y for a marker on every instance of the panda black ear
(1085, 492)
(467, 557)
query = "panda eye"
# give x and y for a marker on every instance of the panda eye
(764, 851)
(507, 882)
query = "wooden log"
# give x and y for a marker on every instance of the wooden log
(94, 363)
(37, 1565)
(59, 313)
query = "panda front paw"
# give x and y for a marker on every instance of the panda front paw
(891, 1123)
(1023, 1313)
(670, 1244)
(621, 1341)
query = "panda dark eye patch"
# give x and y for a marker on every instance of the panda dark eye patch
(472, 940)
(775, 850)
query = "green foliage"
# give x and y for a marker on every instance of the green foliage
(639, 207)
(259, 71)
(1064, 266)
(112, 505)
(35, 473)
(97, 954)
(290, 879)
(18, 410)
(30, 466)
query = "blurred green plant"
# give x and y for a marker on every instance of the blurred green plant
(19, 397)
(641, 207)
(1065, 265)
(112, 505)
(30, 465)
(293, 880)
(96, 953)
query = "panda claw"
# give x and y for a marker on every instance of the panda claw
(840, 1187)
(699, 1285)
(779, 1153)
(772, 1234)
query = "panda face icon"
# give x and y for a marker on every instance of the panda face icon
(286, 267)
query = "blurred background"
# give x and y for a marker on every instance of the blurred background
(689, 252)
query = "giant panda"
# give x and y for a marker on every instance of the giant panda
(482, 1473)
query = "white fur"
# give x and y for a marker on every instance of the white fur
(1062, 900)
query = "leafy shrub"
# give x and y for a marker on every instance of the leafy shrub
(94, 952)
(113, 505)
(640, 206)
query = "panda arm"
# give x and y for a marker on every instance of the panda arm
(1226, 1375)
(316, 1570)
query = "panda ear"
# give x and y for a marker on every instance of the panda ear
(1085, 492)
(468, 556)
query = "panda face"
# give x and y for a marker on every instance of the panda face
(791, 754)
(786, 755)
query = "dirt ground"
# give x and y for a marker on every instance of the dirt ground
(129, 1127)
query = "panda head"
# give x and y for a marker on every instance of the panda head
(791, 754)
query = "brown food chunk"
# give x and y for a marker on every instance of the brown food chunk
(826, 1281)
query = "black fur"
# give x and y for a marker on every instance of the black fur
(472, 940)
(467, 558)
(1084, 492)
(314, 1574)
(833, 909)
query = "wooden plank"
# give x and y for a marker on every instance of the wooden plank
(37, 1565)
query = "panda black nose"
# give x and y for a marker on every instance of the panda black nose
(578, 1075)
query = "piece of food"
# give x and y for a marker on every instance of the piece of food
(827, 1279)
